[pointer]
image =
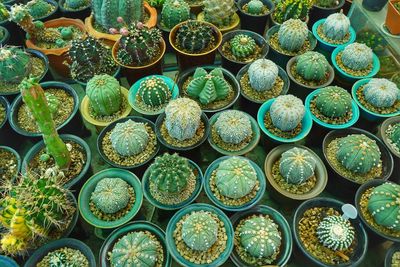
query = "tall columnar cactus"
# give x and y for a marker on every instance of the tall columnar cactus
(336, 26)
(333, 102)
(312, 66)
(76, 4)
(357, 56)
(335, 232)
(292, 35)
(358, 153)
(292, 9)
(286, 112)
(242, 45)
(384, 205)
(199, 231)
(4, 15)
(395, 135)
(129, 138)
(381, 93)
(104, 93)
(194, 36)
(154, 92)
(297, 165)
(233, 126)
(174, 12)
(15, 64)
(255, 7)
(263, 74)
(111, 195)
(39, 8)
(35, 99)
(182, 118)
(208, 87)
(219, 12)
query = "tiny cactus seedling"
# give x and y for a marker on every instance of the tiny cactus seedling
(357, 56)
(39, 8)
(242, 46)
(111, 195)
(154, 92)
(263, 74)
(233, 126)
(381, 93)
(333, 102)
(255, 7)
(15, 64)
(297, 165)
(219, 12)
(194, 36)
(336, 26)
(174, 12)
(292, 35)
(286, 112)
(312, 66)
(335, 232)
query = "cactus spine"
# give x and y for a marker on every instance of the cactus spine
(335, 232)
(111, 195)
(263, 74)
(333, 102)
(381, 93)
(76, 4)
(297, 165)
(312, 66)
(15, 64)
(174, 12)
(286, 112)
(292, 35)
(233, 126)
(336, 26)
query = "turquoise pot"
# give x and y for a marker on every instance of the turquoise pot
(306, 123)
(283, 225)
(199, 185)
(366, 113)
(354, 108)
(207, 188)
(7, 262)
(199, 207)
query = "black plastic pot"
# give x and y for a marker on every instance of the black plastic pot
(374, 5)
(6, 36)
(255, 23)
(317, 12)
(389, 254)
(74, 14)
(53, 14)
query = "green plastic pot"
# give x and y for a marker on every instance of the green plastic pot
(7, 262)
(17, 156)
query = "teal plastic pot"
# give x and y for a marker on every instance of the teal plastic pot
(6, 36)
(306, 123)
(90, 185)
(283, 225)
(192, 208)
(362, 239)
(41, 252)
(389, 255)
(6, 105)
(52, 15)
(199, 185)
(133, 227)
(65, 137)
(81, 13)
(116, 75)
(17, 156)
(366, 113)
(8, 262)
(207, 188)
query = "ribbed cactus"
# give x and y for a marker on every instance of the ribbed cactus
(39, 8)
(292, 9)
(384, 206)
(286, 112)
(208, 87)
(297, 165)
(174, 12)
(111, 195)
(104, 93)
(4, 15)
(263, 74)
(395, 135)
(336, 26)
(312, 66)
(219, 12)
(358, 153)
(76, 4)
(242, 46)
(199, 231)
(292, 35)
(182, 118)
(194, 36)
(255, 7)
(129, 138)
(233, 126)
(327, 3)
(335, 232)
(15, 64)
(381, 93)
(154, 92)
(260, 237)
(333, 101)
(357, 56)
(235, 177)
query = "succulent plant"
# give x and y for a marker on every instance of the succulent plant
(233, 126)
(111, 195)
(286, 112)
(129, 138)
(156, 3)
(358, 153)
(336, 26)
(242, 45)
(15, 64)
(208, 87)
(4, 15)
(395, 135)
(63, 257)
(194, 36)
(219, 12)
(182, 118)
(199, 231)
(174, 12)
(76, 4)
(39, 8)
(384, 206)
(104, 93)
(292, 9)
(292, 35)
(312, 66)
(381, 93)
(357, 56)
(327, 3)
(335, 232)
(263, 74)
(154, 92)
(333, 102)
(297, 165)
(2, 33)
(53, 102)
(255, 7)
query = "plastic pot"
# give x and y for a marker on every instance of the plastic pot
(53, 14)
(6, 105)
(389, 255)
(6, 36)
(318, 12)
(235, 21)
(255, 23)
(392, 18)
(81, 13)
(374, 5)
(8, 262)
(17, 156)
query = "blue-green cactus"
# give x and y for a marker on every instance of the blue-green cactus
(333, 102)
(263, 74)
(357, 56)
(219, 12)
(312, 66)
(335, 232)
(76, 4)
(39, 8)
(381, 93)
(242, 46)
(286, 112)
(291, 9)
(174, 12)
(233, 126)
(395, 135)
(292, 35)
(111, 195)
(154, 92)
(336, 26)
(14, 64)
(297, 165)
(255, 7)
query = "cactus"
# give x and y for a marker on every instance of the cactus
(335, 232)
(219, 12)
(2, 34)
(286, 112)
(242, 46)
(235, 177)
(156, 3)
(327, 3)
(194, 36)
(76, 4)
(15, 64)
(111, 195)
(104, 93)
(174, 12)
(312, 66)
(263, 74)
(233, 126)
(336, 26)
(182, 118)
(52, 102)
(297, 165)
(63, 257)
(357, 56)
(255, 7)
(384, 206)
(292, 35)
(292, 9)
(199, 231)
(358, 153)
(39, 8)
(333, 102)
(395, 135)
(4, 15)
(154, 92)
(381, 93)
(208, 87)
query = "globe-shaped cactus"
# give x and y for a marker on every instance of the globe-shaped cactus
(219, 12)
(255, 7)
(394, 136)
(263, 74)
(233, 126)
(129, 138)
(14, 64)
(384, 205)
(52, 102)
(39, 8)
(357, 56)
(333, 102)
(292, 35)
(199, 231)
(358, 153)
(312, 66)
(194, 36)
(297, 165)
(154, 92)
(336, 26)
(335, 232)
(111, 195)
(242, 46)
(381, 93)
(76, 4)
(286, 112)
(174, 12)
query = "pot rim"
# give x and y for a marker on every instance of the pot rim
(382, 130)
(4, 102)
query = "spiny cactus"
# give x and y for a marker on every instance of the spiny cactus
(381, 93)
(208, 87)
(263, 74)
(76, 4)
(292, 9)
(327, 3)
(154, 92)
(4, 15)
(219, 12)
(111, 195)
(292, 35)
(255, 7)
(174, 12)
(233, 126)
(15, 64)
(129, 138)
(63, 257)
(104, 93)
(194, 36)
(333, 102)
(286, 112)
(335, 232)
(358, 153)
(312, 66)
(199, 231)
(242, 45)
(336, 26)
(156, 3)
(39, 8)
(384, 206)
(357, 56)
(182, 118)
(297, 165)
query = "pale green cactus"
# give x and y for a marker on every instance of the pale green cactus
(233, 126)
(297, 165)
(111, 195)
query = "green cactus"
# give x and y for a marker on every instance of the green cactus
(76, 4)
(381, 92)
(292, 9)
(174, 12)
(292, 35)
(4, 15)
(333, 102)
(335, 232)
(111, 195)
(2, 34)
(312, 66)
(219, 12)
(327, 3)
(286, 112)
(297, 165)
(156, 3)
(194, 36)
(15, 64)
(64, 257)
(233, 126)
(53, 102)
(154, 92)
(255, 7)
(242, 46)
(395, 135)
(39, 8)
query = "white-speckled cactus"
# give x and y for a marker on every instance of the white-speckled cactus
(335, 232)
(336, 26)
(199, 231)
(129, 138)
(312, 66)
(263, 74)
(286, 112)
(333, 102)
(357, 56)
(381, 93)
(292, 34)
(297, 165)
(111, 195)
(233, 126)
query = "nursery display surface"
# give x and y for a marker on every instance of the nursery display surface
(199, 133)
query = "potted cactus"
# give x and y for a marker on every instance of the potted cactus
(42, 10)
(200, 235)
(196, 6)
(255, 14)
(4, 109)
(284, 119)
(10, 164)
(4, 36)
(291, 9)
(389, 133)
(157, 4)
(172, 182)
(323, 8)
(79, 9)
(290, 39)
(221, 13)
